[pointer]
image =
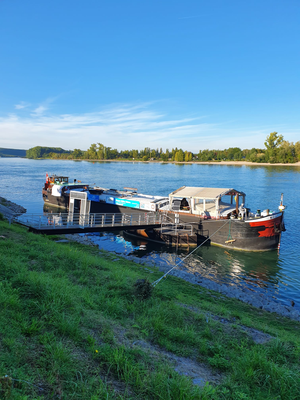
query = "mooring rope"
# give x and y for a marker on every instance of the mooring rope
(229, 233)
(175, 266)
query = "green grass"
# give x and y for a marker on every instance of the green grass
(72, 327)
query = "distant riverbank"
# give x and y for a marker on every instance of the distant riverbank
(297, 164)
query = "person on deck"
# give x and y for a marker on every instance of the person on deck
(184, 204)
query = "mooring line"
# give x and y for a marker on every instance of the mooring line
(175, 266)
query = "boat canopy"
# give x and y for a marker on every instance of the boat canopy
(204, 192)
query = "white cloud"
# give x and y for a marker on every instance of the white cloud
(39, 111)
(44, 106)
(22, 105)
(123, 127)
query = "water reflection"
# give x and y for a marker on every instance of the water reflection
(256, 270)
(260, 272)
(273, 169)
(48, 208)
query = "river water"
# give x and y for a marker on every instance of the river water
(275, 275)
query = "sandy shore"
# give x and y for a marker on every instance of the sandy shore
(297, 164)
(237, 163)
(248, 163)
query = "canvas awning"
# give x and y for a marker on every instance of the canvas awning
(204, 192)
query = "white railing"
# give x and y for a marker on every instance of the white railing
(182, 228)
(176, 228)
(65, 220)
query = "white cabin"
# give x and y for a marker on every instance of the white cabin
(203, 201)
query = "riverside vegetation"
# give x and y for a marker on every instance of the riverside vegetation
(73, 326)
(277, 150)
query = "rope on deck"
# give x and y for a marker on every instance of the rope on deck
(175, 266)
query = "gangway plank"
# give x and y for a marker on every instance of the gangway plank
(63, 223)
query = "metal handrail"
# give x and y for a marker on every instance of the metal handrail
(53, 220)
(176, 227)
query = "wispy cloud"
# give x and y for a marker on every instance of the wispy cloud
(44, 106)
(39, 111)
(123, 127)
(21, 105)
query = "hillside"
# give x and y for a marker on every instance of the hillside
(12, 152)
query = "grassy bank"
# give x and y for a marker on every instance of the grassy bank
(74, 326)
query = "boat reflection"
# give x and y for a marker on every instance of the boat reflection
(255, 270)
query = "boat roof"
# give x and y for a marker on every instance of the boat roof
(204, 192)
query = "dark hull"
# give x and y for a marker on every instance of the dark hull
(259, 235)
(61, 202)
(99, 207)
(230, 234)
(256, 235)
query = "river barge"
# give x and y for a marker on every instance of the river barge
(191, 215)
(217, 216)
(56, 190)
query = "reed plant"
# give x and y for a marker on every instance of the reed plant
(73, 327)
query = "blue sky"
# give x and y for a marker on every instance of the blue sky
(134, 74)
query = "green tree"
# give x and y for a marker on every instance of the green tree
(91, 153)
(206, 155)
(153, 154)
(179, 156)
(188, 156)
(297, 150)
(46, 152)
(164, 156)
(77, 153)
(273, 141)
(252, 156)
(112, 153)
(135, 154)
(101, 152)
(125, 154)
(173, 152)
(286, 152)
(233, 153)
(34, 152)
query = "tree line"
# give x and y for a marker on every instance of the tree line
(277, 150)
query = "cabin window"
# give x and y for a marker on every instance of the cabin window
(163, 204)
